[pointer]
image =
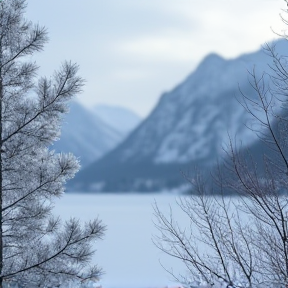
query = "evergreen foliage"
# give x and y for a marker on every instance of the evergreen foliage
(36, 249)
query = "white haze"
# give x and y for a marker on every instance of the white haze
(131, 51)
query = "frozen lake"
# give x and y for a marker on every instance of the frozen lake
(126, 254)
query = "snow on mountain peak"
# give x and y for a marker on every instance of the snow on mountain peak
(192, 121)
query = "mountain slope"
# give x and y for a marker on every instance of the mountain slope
(119, 118)
(85, 135)
(188, 127)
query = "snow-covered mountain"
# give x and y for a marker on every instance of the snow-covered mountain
(87, 135)
(188, 127)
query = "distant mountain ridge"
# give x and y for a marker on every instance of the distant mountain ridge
(87, 135)
(119, 118)
(188, 127)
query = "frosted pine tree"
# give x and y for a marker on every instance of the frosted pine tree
(36, 249)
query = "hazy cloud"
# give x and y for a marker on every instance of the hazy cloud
(130, 51)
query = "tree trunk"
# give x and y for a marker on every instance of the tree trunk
(1, 222)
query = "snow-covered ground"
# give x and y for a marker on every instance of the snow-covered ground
(127, 254)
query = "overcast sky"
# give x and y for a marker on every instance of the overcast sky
(131, 51)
